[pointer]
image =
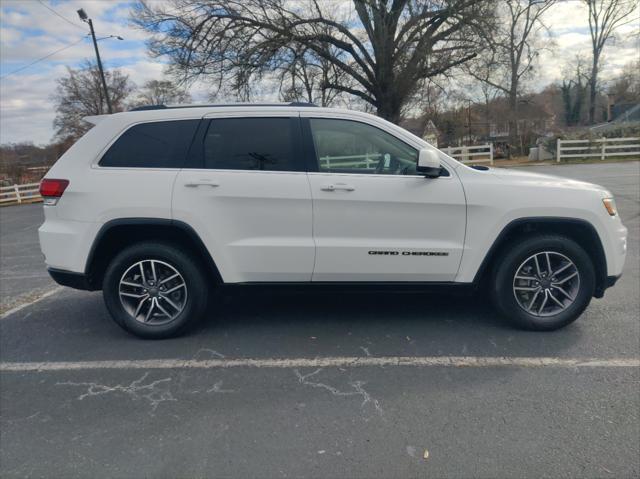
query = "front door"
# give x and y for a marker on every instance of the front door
(374, 217)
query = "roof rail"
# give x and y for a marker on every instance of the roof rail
(148, 107)
(163, 107)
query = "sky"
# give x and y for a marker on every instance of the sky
(29, 30)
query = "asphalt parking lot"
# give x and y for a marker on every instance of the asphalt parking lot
(317, 385)
(22, 276)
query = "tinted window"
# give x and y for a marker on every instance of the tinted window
(161, 144)
(250, 144)
(344, 146)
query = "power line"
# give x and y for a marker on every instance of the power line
(43, 58)
(61, 16)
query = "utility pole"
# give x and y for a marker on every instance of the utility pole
(83, 16)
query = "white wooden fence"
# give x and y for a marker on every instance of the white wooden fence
(471, 154)
(602, 148)
(13, 195)
(367, 161)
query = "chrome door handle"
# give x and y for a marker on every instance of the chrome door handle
(194, 184)
(338, 186)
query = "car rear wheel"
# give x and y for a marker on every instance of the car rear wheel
(544, 282)
(154, 290)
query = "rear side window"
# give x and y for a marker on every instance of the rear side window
(250, 144)
(162, 144)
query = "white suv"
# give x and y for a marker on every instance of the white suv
(157, 206)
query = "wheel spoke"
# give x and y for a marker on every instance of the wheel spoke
(533, 300)
(175, 288)
(555, 300)
(562, 291)
(526, 278)
(153, 304)
(133, 285)
(153, 270)
(162, 309)
(535, 259)
(173, 305)
(548, 264)
(544, 301)
(144, 279)
(564, 268)
(526, 288)
(173, 276)
(562, 281)
(140, 304)
(131, 295)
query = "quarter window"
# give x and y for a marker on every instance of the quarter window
(162, 144)
(250, 144)
(344, 146)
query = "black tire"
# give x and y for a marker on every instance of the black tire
(502, 284)
(195, 301)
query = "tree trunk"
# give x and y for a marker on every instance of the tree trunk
(389, 109)
(513, 116)
(593, 84)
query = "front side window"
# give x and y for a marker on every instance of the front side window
(344, 146)
(250, 144)
(161, 144)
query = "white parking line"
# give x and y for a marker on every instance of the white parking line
(33, 301)
(441, 361)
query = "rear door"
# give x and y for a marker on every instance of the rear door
(375, 218)
(247, 195)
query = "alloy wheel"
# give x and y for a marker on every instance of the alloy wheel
(546, 283)
(153, 292)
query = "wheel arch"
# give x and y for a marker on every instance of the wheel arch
(117, 234)
(581, 231)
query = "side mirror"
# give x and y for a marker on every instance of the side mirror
(428, 163)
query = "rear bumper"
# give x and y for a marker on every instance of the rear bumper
(72, 279)
(65, 243)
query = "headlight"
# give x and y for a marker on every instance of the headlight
(610, 206)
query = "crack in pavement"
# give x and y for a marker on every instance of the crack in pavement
(217, 388)
(212, 352)
(356, 385)
(155, 392)
(365, 351)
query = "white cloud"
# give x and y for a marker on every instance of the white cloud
(27, 110)
(568, 29)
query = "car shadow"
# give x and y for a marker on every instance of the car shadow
(272, 322)
(277, 324)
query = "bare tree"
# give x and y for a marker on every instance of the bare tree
(161, 92)
(574, 90)
(479, 88)
(626, 87)
(605, 16)
(81, 94)
(511, 53)
(305, 77)
(384, 48)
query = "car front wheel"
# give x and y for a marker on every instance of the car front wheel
(544, 282)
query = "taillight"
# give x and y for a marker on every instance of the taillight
(51, 190)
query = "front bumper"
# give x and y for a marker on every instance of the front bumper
(608, 283)
(611, 281)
